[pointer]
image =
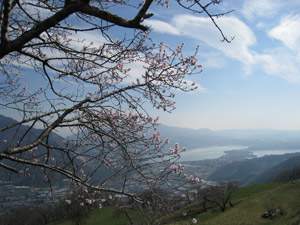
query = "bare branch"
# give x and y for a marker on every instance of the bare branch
(9, 168)
(112, 18)
(6, 5)
(142, 13)
(35, 32)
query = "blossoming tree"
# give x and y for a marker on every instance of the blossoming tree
(89, 86)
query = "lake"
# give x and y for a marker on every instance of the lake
(208, 153)
(274, 152)
(218, 151)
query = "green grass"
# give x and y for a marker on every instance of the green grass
(251, 202)
(104, 216)
(254, 189)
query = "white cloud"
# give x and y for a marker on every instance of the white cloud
(260, 8)
(162, 27)
(261, 25)
(281, 63)
(288, 31)
(284, 61)
(203, 29)
(212, 60)
(199, 87)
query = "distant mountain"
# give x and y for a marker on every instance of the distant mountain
(255, 139)
(246, 171)
(253, 171)
(14, 134)
(36, 176)
(192, 138)
(270, 175)
(288, 175)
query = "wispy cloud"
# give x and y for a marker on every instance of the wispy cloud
(212, 60)
(260, 8)
(282, 61)
(162, 27)
(288, 31)
(203, 29)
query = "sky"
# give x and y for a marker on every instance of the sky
(252, 82)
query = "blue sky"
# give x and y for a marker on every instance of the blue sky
(253, 82)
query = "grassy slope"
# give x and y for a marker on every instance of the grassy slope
(251, 202)
(104, 216)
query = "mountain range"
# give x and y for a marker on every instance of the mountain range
(247, 172)
(255, 171)
(254, 139)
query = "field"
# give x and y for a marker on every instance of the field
(249, 204)
(106, 215)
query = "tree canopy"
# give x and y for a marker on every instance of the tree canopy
(95, 84)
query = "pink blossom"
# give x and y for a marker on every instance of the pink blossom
(191, 178)
(197, 180)
(68, 201)
(194, 221)
(88, 201)
(4, 141)
(173, 167)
